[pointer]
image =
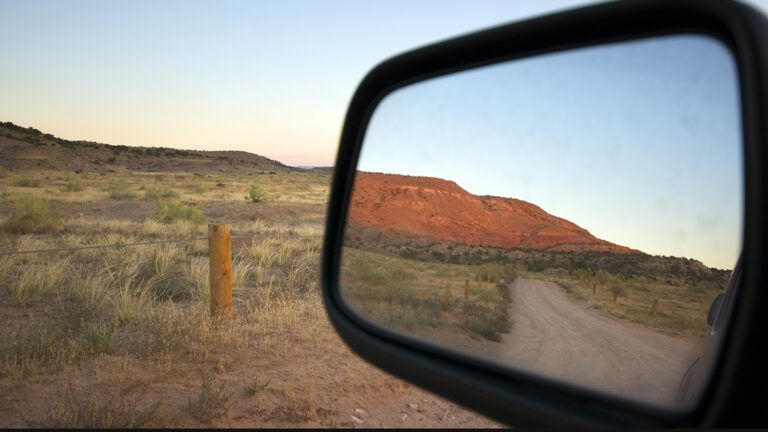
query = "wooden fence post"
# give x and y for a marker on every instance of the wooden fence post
(466, 289)
(220, 259)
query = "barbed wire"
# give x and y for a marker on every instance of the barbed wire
(120, 245)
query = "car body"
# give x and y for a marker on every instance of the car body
(693, 383)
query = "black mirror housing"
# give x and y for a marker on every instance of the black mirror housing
(518, 398)
(712, 314)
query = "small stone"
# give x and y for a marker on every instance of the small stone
(357, 420)
(413, 406)
(361, 413)
(405, 416)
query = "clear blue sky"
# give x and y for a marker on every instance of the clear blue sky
(640, 143)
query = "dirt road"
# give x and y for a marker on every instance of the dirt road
(556, 335)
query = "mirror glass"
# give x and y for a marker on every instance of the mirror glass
(571, 215)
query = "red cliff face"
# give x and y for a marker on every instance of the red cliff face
(440, 210)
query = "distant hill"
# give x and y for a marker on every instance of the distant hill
(432, 219)
(23, 148)
(440, 210)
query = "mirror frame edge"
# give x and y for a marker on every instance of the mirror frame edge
(521, 398)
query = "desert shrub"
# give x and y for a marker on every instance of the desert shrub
(494, 273)
(616, 290)
(26, 182)
(32, 215)
(480, 321)
(212, 403)
(97, 337)
(89, 289)
(256, 194)
(73, 184)
(254, 387)
(93, 408)
(166, 273)
(120, 189)
(199, 188)
(160, 192)
(34, 281)
(172, 211)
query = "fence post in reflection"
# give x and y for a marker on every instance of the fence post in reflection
(466, 289)
(447, 295)
(594, 288)
(653, 307)
(220, 267)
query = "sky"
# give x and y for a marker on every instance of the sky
(272, 77)
(269, 77)
(638, 142)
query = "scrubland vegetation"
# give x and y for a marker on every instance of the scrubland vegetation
(668, 294)
(409, 294)
(71, 315)
(122, 336)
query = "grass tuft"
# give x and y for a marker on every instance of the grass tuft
(160, 193)
(32, 215)
(73, 184)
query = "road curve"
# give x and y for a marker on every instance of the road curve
(558, 336)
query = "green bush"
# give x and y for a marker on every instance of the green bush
(120, 189)
(26, 182)
(160, 192)
(73, 184)
(256, 194)
(32, 215)
(172, 211)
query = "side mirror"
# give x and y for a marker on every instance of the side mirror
(532, 219)
(712, 314)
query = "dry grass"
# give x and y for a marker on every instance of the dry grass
(679, 310)
(67, 313)
(141, 302)
(409, 294)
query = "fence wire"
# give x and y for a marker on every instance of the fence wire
(120, 245)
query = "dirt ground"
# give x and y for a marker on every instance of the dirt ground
(309, 378)
(556, 336)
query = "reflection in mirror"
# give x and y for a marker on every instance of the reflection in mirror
(571, 215)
